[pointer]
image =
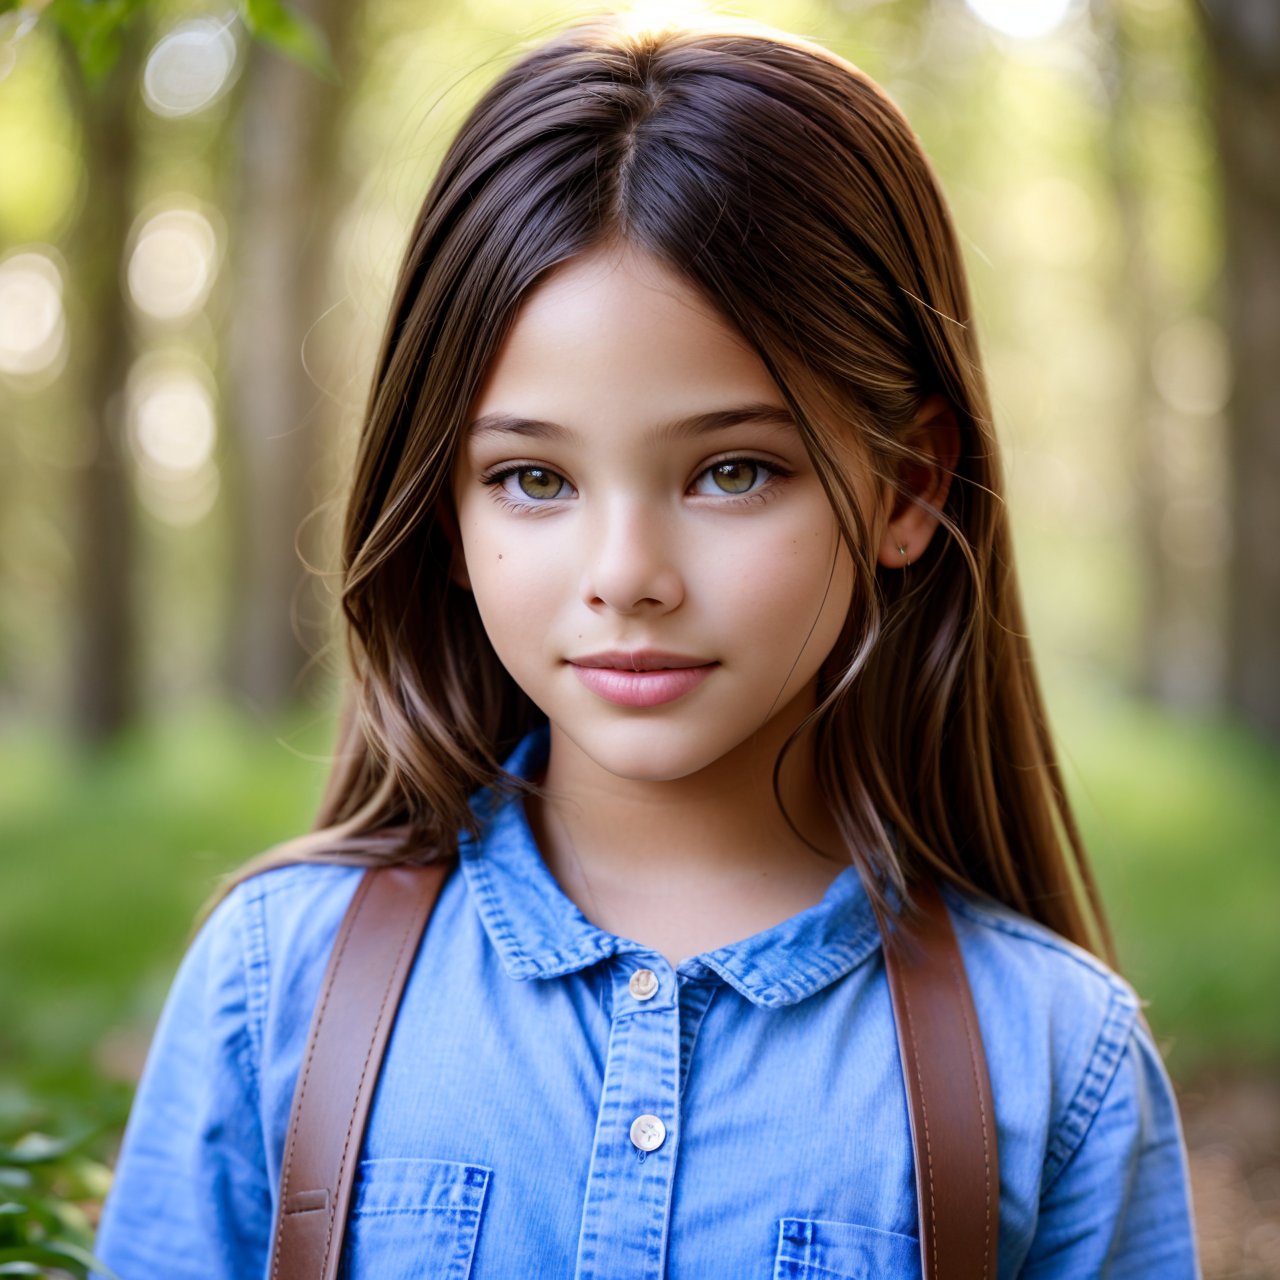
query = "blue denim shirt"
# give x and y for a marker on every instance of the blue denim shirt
(499, 1142)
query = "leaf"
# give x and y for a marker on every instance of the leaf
(94, 28)
(38, 1204)
(40, 1148)
(53, 1253)
(294, 35)
(92, 1179)
(34, 1148)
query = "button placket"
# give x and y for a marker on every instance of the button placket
(634, 1157)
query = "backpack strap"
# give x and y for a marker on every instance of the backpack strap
(370, 960)
(944, 1070)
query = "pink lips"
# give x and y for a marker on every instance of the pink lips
(643, 679)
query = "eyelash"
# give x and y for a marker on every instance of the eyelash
(764, 493)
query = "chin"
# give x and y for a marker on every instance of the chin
(652, 752)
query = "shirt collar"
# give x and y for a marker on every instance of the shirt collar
(539, 932)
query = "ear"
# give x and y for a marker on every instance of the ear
(457, 560)
(935, 435)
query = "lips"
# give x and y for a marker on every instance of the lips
(639, 660)
(645, 678)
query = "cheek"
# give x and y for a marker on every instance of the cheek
(515, 583)
(819, 596)
(796, 575)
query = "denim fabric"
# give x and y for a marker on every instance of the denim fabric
(499, 1147)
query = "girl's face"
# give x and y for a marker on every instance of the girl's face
(632, 492)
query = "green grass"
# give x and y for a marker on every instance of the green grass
(1182, 820)
(104, 866)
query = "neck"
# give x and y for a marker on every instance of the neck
(715, 831)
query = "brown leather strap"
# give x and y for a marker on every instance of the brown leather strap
(370, 960)
(944, 1069)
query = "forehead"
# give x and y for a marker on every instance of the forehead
(614, 337)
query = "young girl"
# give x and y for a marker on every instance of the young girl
(682, 615)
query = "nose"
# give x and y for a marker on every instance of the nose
(630, 560)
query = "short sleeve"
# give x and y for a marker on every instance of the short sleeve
(1119, 1206)
(190, 1195)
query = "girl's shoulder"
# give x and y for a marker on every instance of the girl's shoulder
(1064, 1034)
(271, 934)
(285, 919)
(992, 933)
(297, 886)
(296, 902)
(1086, 1112)
(1021, 968)
(298, 905)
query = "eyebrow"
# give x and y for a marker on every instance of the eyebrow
(757, 413)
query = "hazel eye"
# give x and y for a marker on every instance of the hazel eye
(539, 482)
(736, 475)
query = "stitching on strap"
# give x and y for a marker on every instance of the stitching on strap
(924, 1117)
(969, 1029)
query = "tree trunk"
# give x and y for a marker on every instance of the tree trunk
(1133, 296)
(1243, 38)
(1180, 622)
(104, 677)
(286, 208)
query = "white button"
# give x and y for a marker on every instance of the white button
(648, 1132)
(644, 984)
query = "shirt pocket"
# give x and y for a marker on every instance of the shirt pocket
(819, 1249)
(414, 1217)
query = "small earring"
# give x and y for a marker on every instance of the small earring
(902, 551)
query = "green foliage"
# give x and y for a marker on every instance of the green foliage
(291, 33)
(49, 1188)
(115, 857)
(95, 29)
(1179, 815)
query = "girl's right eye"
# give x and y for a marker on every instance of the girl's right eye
(535, 483)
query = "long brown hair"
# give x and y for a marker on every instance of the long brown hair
(782, 182)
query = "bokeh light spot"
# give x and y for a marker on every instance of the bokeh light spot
(172, 421)
(173, 263)
(32, 321)
(1022, 19)
(171, 417)
(190, 67)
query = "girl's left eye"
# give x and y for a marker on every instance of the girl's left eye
(732, 476)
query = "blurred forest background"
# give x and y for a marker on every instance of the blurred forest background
(201, 213)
